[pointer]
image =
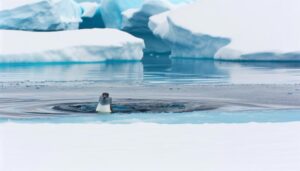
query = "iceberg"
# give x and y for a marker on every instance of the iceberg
(135, 21)
(218, 29)
(39, 15)
(89, 9)
(111, 11)
(183, 42)
(91, 15)
(79, 1)
(86, 45)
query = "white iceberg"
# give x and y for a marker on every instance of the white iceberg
(98, 1)
(42, 15)
(256, 30)
(135, 21)
(112, 10)
(89, 9)
(91, 15)
(87, 45)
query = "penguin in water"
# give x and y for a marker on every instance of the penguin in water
(104, 104)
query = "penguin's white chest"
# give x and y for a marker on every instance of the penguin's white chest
(103, 108)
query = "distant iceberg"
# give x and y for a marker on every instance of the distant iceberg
(183, 42)
(91, 15)
(111, 11)
(87, 45)
(39, 15)
(89, 9)
(135, 21)
(256, 30)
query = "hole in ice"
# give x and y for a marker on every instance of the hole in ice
(140, 106)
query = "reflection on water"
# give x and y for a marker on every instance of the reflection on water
(132, 71)
(158, 69)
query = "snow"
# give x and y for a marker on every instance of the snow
(88, 45)
(251, 30)
(43, 15)
(140, 146)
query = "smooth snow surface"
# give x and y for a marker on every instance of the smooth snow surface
(136, 147)
(239, 30)
(42, 15)
(89, 45)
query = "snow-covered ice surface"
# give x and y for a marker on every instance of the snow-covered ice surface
(234, 30)
(89, 45)
(77, 147)
(42, 15)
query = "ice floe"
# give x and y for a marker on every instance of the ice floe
(87, 45)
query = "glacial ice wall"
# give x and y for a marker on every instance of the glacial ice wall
(39, 15)
(87, 45)
(232, 30)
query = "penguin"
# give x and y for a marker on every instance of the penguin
(104, 104)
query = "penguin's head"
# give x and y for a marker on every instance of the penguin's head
(105, 95)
